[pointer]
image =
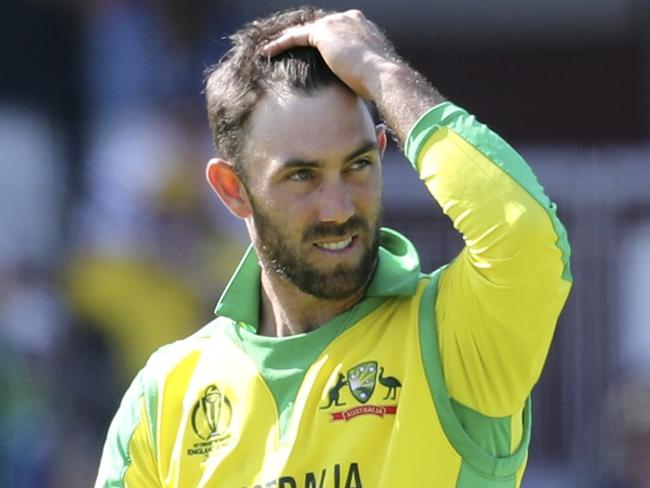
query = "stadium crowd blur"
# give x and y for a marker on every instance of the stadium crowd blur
(111, 244)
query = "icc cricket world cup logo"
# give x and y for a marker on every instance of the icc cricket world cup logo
(211, 415)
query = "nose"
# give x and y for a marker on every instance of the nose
(335, 202)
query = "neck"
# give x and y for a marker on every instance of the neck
(288, 311)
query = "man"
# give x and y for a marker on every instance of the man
(334, 361)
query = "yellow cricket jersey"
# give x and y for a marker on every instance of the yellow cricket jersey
(425, 382)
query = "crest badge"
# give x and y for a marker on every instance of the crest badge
(362, 380)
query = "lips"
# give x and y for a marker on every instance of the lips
(335, 245)
(325, 233)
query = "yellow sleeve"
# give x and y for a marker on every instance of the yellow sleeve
(128, 457)
(499, 300)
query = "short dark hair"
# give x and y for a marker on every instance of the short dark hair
(234, 86)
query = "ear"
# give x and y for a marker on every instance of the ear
(382, 138)
(224, 181)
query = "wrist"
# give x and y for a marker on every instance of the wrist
(377, 75)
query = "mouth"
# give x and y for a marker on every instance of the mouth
(335, 246)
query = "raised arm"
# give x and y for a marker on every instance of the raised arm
(499, 300)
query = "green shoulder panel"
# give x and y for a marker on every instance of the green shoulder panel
(115, 456)
(496, 150)
(481, 441)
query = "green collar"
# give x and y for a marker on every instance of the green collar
(397, 273)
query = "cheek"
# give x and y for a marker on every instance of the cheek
(292, 216)
(369, 199)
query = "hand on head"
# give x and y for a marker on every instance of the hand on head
(352, 46)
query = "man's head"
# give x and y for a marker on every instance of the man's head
(238, 82)
(300, 161)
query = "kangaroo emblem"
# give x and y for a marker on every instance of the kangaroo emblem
(334, 393)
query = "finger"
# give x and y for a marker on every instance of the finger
(292, 37)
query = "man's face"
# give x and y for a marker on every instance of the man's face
(314, 182)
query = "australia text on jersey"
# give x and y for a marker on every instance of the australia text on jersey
(336, 477)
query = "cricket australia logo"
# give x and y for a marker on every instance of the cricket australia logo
(211, 416)
(362, 381)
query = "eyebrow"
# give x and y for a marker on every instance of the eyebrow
(302, 163)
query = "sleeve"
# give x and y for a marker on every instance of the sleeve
(128, 456)
(499, 300)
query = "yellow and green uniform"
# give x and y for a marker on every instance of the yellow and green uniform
(425, 382)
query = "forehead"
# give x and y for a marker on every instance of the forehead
(324, 125)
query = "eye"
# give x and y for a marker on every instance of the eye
(360, 164)
(301, 175)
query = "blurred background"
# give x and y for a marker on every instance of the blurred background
(111, 244)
